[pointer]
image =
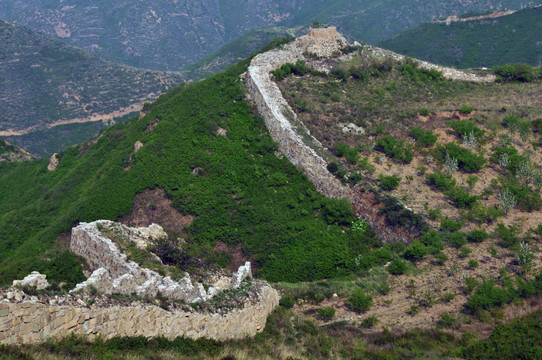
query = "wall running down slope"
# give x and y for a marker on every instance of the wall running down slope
(291, 134)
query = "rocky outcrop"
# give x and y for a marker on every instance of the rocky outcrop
(53, 163)
(34, 279)
(114, 273)
(34, 320)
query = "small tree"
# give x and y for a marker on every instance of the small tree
(507, 200)
(450, 164)
(525, 257)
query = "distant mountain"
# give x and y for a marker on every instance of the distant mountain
(174, 34)
(483, 41)
(11, 153)
(237, 49)
(46, 83)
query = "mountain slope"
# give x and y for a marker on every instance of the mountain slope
(46, 83)
(12, 153)
(171, 35)
(512, 38)
(238, 191)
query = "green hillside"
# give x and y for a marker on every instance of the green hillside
(45, 82)
(243, 193)
(512, 38)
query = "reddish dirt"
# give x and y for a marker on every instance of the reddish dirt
(153, 206)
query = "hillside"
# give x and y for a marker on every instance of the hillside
(172, 35)
(486, 42)
(454, 164)
(45, 84)
(11, 153)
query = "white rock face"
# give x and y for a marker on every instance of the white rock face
(53, 163)
(113, 273)
(34, 279)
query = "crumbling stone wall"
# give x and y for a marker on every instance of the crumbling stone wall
(287, 130)
(113, 273)
(33, 321)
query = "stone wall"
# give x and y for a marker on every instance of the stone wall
(279, 116)
(33, 321)
(293, 137)
(114, 273)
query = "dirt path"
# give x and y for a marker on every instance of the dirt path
(92, 118)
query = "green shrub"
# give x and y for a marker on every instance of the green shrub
(423, 137)
(416, 251)
(389, 182)
(424, 111)
(369, 322)
(359, 301)
(466, 109)
(441, 258)
(433, 241)
(326, 313)
(441, 181)
(332, 167)
(462, 198)
(478, 235)
(397, 267)
(448, 224)
(397, 149)
(465, 127)
(337, 211)
(515, 72)
(287, 301)
(457, 239)
(508, 235)
(487, 296)
(473, 263)
(528, 199)
(467, 160)
(351, 154)
(411, 70)
(448, 321)
(469, 284)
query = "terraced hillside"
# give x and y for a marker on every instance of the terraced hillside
(47, 86)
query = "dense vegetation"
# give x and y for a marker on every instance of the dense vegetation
(507, 39)
(239, 191)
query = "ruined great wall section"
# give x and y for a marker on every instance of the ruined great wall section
(294, 139)
(31, 320)
(89, 309)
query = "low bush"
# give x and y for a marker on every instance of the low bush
(467, 160)
(508, 235)
(433, 241)
(441, 181)
(465, 127)
(477, 235)
(462, 198)
(360, 301)
(448, 224)
(416, 251)
(423, 137)
(326, 313)
(389, 182)
(457, 239)
(351, 154)
(515, 73)
(287, 301)
(397, 149)
(397, 267)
